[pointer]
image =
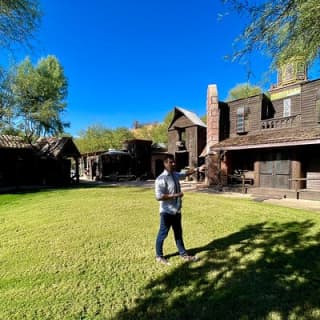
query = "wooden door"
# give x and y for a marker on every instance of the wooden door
(275, 170)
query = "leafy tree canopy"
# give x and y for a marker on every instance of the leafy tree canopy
(6, 103)
(243, 90)
(282, 28)
(156, 132)
(18, 21)
(39, 97)
(99, 138)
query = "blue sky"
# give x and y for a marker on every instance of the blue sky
(135, 60)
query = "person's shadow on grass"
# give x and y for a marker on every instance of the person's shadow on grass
(264, 271)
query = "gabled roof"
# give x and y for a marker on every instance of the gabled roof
(58, 147)
(271, 138)
(178, 111)
(159, 147)
(13, 142)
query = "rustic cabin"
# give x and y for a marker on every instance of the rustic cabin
(47, 162)
(186, 138)
(58, 161)
(17, 162)
(133, 161)
(273, 141)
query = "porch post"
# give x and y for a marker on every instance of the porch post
(77, 169)
(256, 174)
(296, 173)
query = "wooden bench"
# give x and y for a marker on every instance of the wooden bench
(244, 178)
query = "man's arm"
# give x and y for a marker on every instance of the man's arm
(168, 196)
(194, 170)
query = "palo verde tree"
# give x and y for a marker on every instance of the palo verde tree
(39, 97)
(282, 28)
(19, 19)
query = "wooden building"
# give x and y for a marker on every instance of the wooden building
(47, 162)
(58, 161)
(186, 138)
(273, 141)
(17, 162)
(133, 161)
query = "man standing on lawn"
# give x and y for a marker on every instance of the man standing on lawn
(168, 193)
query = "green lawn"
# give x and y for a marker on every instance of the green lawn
(88, 253)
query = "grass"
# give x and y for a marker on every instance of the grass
(88, 253)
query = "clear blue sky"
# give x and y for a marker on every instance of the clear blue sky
(136, 59)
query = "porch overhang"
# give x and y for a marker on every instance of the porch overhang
(265, 139)
(266, 145)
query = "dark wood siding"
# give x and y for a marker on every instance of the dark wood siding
(295, 106)
(202, 139)
(194, 137)
(308, 95)
(191, 145)
(224, 123)
(181, 122)
(172, 139)
(254, 104)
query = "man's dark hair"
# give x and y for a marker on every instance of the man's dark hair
(167, 157)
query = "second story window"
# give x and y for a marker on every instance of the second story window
(242, 119)
(287, 107)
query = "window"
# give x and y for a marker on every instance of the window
(286, 107)
(242, 119)
(301, 71)
(182, 135)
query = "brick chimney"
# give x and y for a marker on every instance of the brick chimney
(213, 117)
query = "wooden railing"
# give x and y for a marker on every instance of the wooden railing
(278, 123)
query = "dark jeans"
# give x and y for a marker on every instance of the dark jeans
(167, 221)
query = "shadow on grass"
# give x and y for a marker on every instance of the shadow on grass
(264, 271)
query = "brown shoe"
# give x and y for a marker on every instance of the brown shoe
(163, 261)
(187, 257)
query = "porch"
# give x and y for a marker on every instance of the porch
(274, 193)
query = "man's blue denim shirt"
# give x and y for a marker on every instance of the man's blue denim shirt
(165, 184)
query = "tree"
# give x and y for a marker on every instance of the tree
(6, 103)
(39, 94)
(99, 138)
(18, 21)
(243, 90)
(157, 132)
(119, 135)
(94, 138)
(282, 28)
